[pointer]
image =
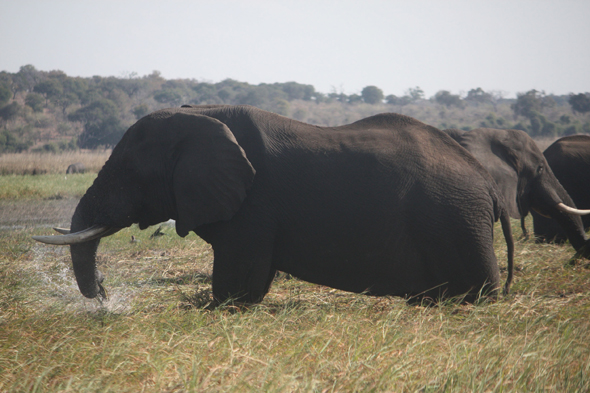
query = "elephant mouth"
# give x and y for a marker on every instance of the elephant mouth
(86, 235)
(540, 212)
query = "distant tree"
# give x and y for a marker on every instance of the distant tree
(415, 94)
(401, 101)
(102, 126)
(6, 79)
(341, 97)
(107, 132)
(10, 112)
(252, 96)
(35, 101)
(5, 94)
(206, 93)
(65, 100)
(354, 99)
(133, 85)
(319, 97)
(223, 95)
(565, 119)
(372, 95)
(444, 97)
(496, 98)
(10, 143)
(140, 111)
(90, 95)
(169, 97)
(297, 91)
(579, 102)
(281, 107)
(25, 79)
(391, 99)
(478, 96)
(77, 86)
(541, 126)
(49, 88)
(527, 103)
(95, 111)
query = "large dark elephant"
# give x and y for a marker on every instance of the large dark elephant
(384, 206)
(525, 179)
(569, 159)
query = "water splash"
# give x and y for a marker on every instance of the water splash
(53, 273)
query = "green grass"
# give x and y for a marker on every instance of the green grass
(155, 333)
(44, 187)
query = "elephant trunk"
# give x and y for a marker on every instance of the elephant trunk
(550, 199)
(84, 262)
(572, 226)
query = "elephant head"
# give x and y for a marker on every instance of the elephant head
(172, 164)
(569, 158)
(525, 179)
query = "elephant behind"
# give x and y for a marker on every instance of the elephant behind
(78, 167)
(525, 179)
(384, 206)
(569, 159)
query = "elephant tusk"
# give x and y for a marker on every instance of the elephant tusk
(571, 210)
(94, 232)
(63, 231)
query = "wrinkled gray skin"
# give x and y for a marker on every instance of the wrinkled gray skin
(78, 167)
(385, 206)
(524, 178)
(569, 159)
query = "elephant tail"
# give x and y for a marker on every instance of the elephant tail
(507, 230)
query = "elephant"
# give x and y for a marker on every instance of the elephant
(78, 167)
(569, 159)
(454, 133)
(383, 206)
(525, 179)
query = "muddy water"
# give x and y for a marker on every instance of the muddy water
(35, 213)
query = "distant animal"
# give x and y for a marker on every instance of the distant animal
(569, 159)
(383, 206)
(525, 179)
(78, 167)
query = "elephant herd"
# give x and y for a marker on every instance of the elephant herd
(383, 206)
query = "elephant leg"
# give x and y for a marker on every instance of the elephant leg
(242, 267)
(241, 278)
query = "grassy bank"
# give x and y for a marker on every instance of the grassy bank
(156, 334)
(54, 186)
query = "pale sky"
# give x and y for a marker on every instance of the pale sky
(511, 46)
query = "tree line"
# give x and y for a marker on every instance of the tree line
(51, 111)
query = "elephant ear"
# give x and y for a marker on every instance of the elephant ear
(211, 172)
(500, 162)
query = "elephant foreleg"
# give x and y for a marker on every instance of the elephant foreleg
(242, 271)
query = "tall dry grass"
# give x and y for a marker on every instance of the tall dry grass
(155, 334)
(41, 163)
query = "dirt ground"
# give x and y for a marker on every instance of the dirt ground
(28, 213)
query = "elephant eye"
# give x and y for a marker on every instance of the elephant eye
(540, 169)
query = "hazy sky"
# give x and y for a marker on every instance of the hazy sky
(512, 46)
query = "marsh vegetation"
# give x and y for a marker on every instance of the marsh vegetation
(157, 333)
